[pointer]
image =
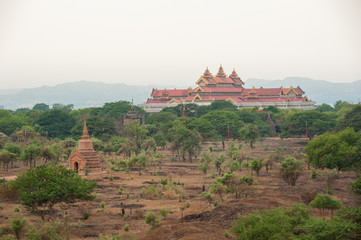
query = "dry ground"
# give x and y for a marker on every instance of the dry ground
(199, 221)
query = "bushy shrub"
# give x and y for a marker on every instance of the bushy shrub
(294, 223)
(152, 219)
(291, 169)
(325, 202)
(164, 212)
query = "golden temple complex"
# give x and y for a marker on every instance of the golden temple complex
(228, 88)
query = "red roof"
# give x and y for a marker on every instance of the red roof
(216, 98)
(220, 89)
(280, 99)
(170, 93)
(224, 80)
(263, 91)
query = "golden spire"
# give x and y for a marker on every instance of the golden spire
(221, 72)
(207, 73)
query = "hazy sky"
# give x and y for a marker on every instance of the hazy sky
(46, 42)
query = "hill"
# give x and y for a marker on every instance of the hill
(92, 94)
(82, 94)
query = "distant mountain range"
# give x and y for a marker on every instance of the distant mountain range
(94, 94)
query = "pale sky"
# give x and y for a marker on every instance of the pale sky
(171, 42)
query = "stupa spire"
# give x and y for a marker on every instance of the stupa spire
(207, 73)
(85, 132)
(234, 74)
(221, 72)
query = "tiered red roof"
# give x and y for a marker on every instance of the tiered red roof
(169, 93)
(218, 89)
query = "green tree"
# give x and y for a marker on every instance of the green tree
(30, 153)
(203, 126)
(256, 165)
(250, 134)
(324, 107)
(334, 150)
(57, 123)
(294, 223)
(152, 220)
(325, 202)
(220, 159)
(352, 119)
(317, 123)
(291, 169)
(224, 122)
(43, 187)
(136, 135)
(161, 117)
(10, 123)
(218, 188)
(6, 158)
(356, 186)
(98, 127)
(223, 105)
(41, 107)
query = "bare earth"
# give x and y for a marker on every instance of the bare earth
(199, 221)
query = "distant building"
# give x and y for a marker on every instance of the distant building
(133, 116)
(228, 88)
(85, 158)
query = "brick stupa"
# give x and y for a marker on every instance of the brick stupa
(85, 157)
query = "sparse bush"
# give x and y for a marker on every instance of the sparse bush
(101, 206)
(17, 225)
(86, 216)
(16, 209)
(332, 175)
(120, 191)
(152, 220)
(126, 227)
(164, 213)
(188, 205)
(308, 196)
(49, 230)
(256, 165)
(356, 186)
(8, 191)
(208, 196)
(315, 174)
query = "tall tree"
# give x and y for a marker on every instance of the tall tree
(250, 134)
(57, 123)
(224, 122)
(317, 123)
(334, 150)
(41, 107)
